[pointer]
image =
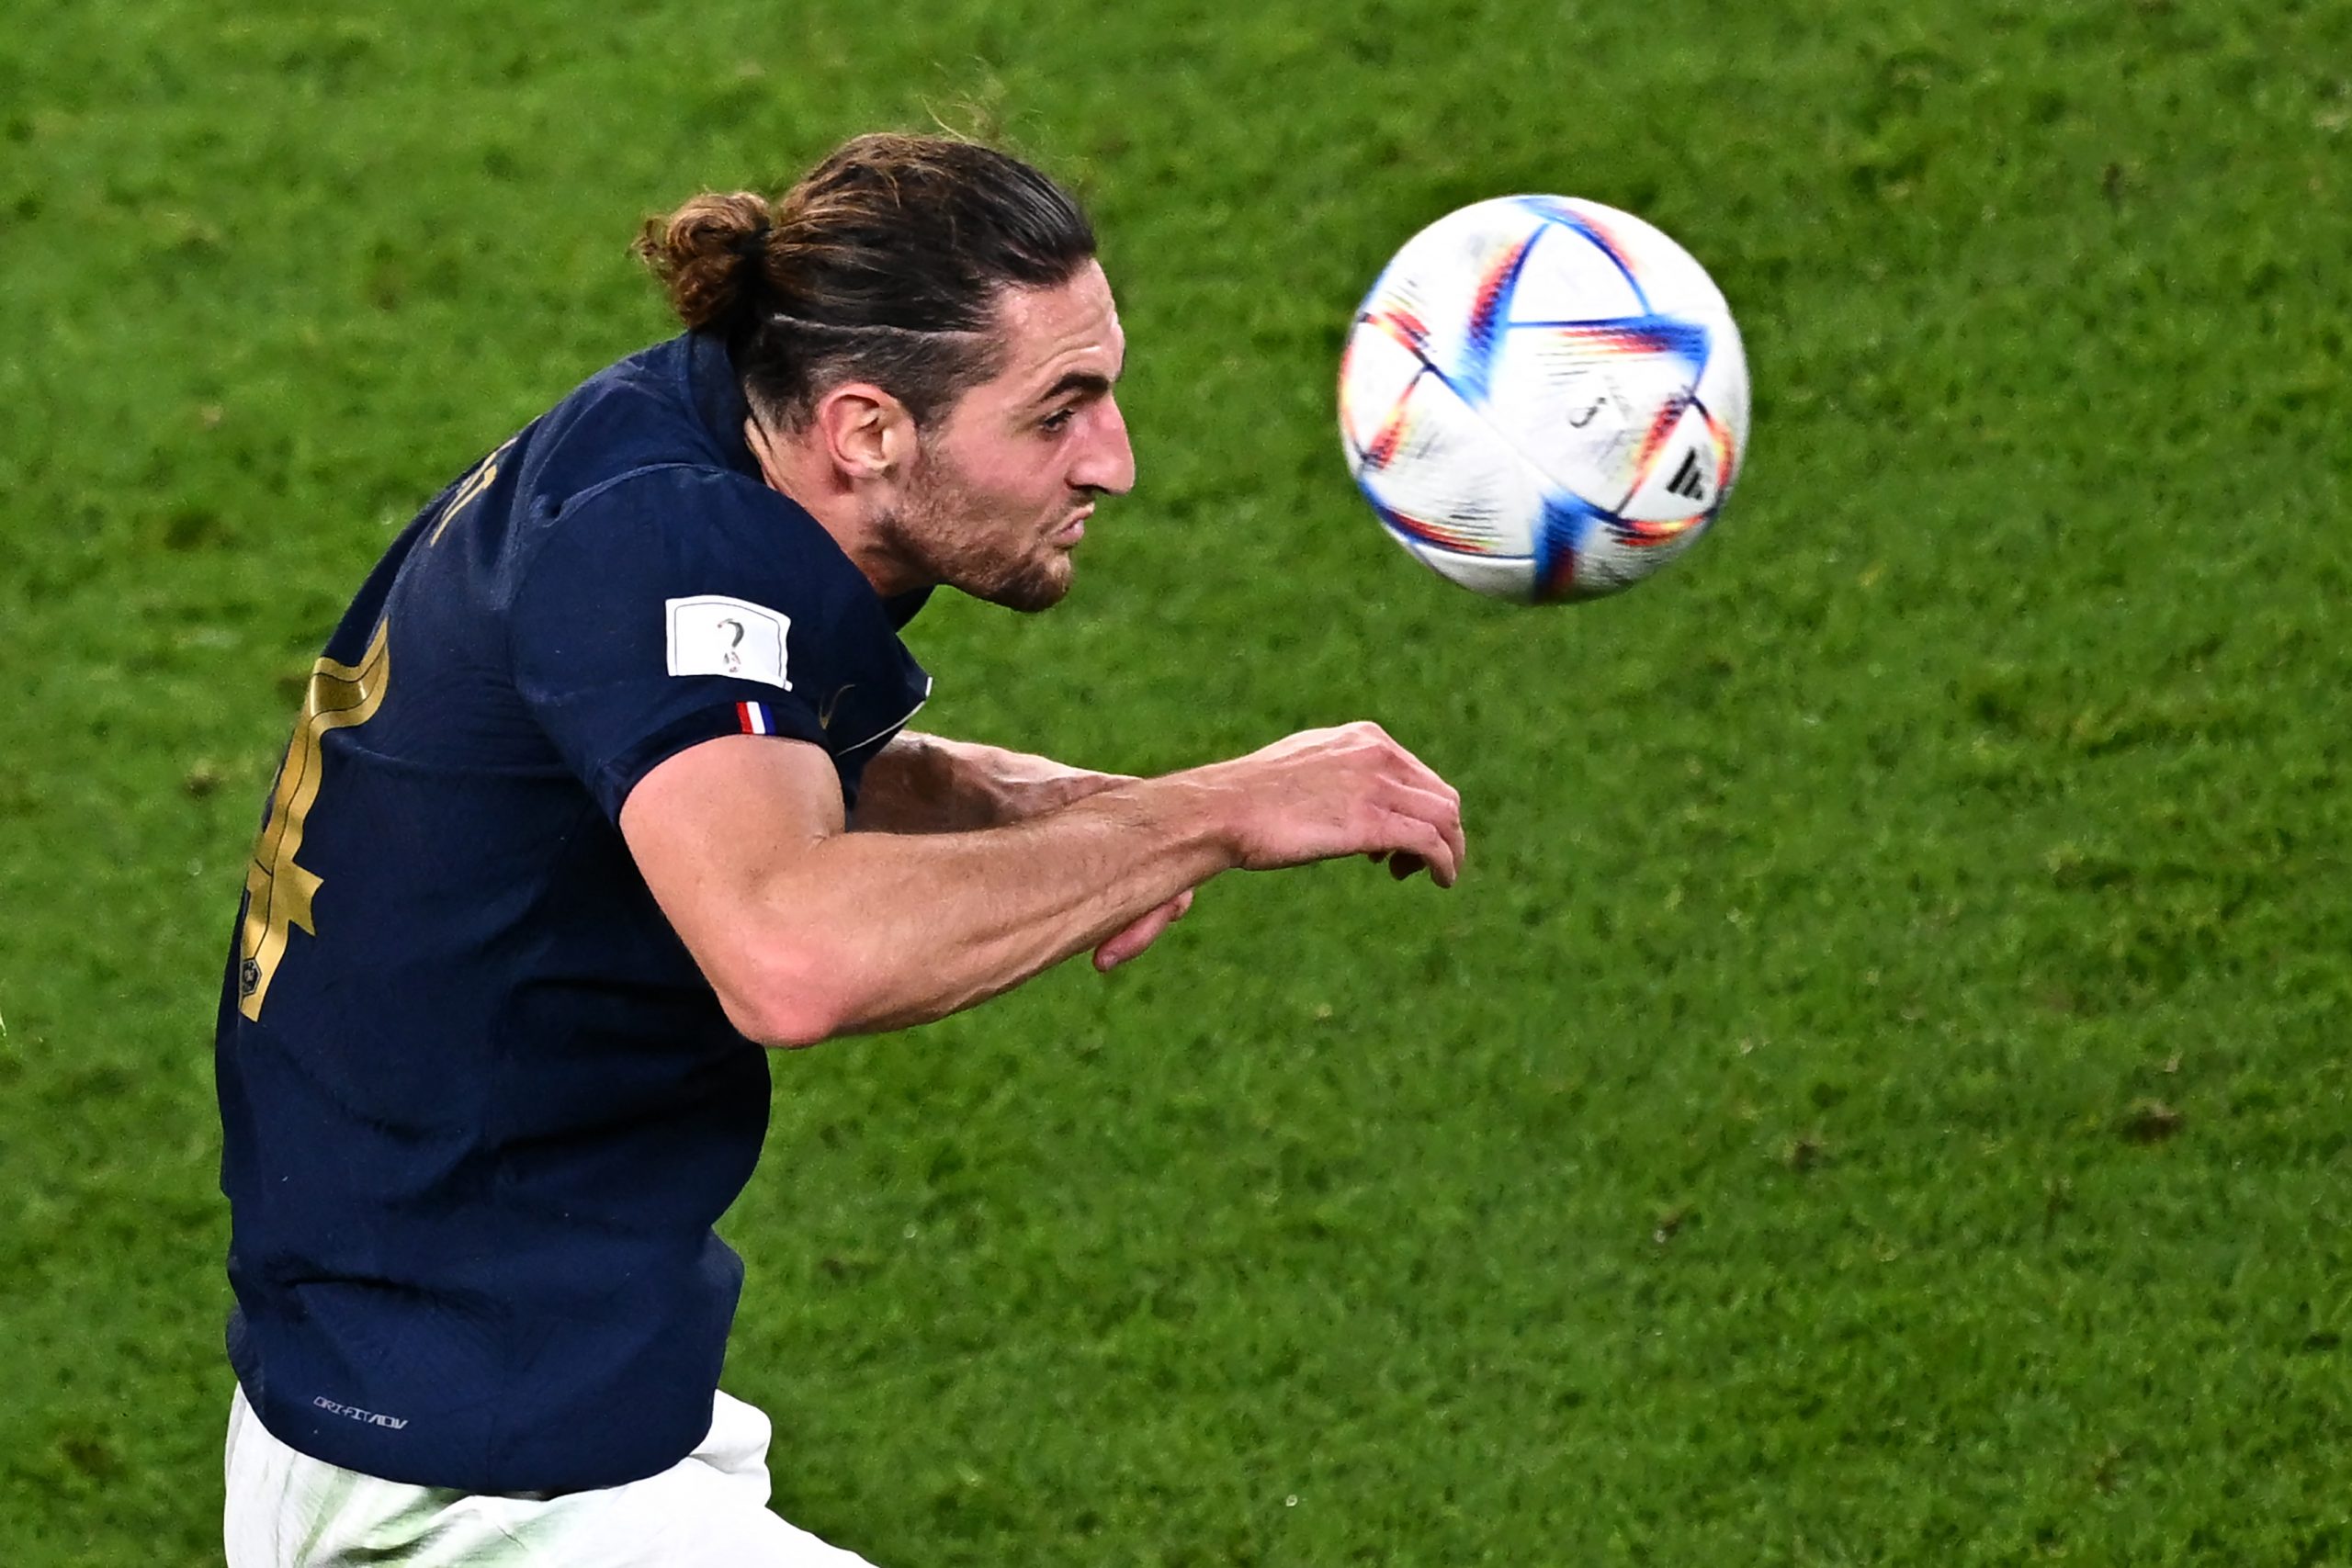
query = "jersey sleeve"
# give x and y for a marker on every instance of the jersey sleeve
(676, 606)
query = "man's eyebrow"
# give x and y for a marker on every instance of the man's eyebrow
(1092, 382)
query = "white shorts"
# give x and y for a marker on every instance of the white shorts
(289, 1510)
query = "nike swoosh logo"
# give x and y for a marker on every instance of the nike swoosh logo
(829, 707)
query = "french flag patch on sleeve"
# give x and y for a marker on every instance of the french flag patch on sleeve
(755, 718)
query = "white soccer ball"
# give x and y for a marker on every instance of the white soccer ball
(1543, 399)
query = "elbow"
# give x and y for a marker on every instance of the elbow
(789, 1002)
(782, 1028)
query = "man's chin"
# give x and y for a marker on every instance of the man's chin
(1040, 588)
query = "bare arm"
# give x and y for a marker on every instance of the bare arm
(806, 932)
(926, 784)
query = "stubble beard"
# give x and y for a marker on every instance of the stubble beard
(933, 529)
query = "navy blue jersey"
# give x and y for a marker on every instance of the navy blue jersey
(480, 1109)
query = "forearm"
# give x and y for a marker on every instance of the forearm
(893, 928)
(925, 784)
(806, 931)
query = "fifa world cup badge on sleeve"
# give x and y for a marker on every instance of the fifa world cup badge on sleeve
(713, 634)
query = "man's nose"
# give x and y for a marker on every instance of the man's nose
(1109, 462)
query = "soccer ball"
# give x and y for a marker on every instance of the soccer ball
(1543, 399)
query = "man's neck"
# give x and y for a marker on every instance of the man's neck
(794, 468)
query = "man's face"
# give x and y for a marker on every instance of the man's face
(1008, 477)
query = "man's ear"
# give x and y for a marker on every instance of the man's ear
(866, 433)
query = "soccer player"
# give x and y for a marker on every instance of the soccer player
(602, 785)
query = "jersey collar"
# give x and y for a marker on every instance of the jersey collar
(717, 393)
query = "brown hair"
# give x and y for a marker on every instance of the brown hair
(883, 264)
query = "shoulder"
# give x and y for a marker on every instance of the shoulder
(690, 527)
(674, 405)
(708, 572)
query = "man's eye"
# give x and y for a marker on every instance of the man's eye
(1057, 421)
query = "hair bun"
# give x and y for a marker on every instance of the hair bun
(699, 253)
(884, 264)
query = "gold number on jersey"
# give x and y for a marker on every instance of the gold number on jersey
(484, 473)
(277, 891)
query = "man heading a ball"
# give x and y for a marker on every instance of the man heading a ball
(602, 784)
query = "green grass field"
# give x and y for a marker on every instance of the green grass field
(1880, 1095)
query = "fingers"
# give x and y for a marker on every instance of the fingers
(1350, 790)
(1427, 794)
(1132, 939)
(1445, 800)
(1420, 841)
(1437, 813)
